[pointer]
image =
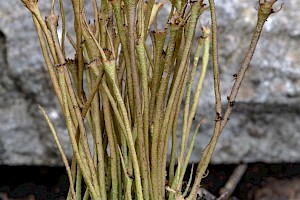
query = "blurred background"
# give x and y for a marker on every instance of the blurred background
(263, 132)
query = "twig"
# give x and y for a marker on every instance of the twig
(233, 180)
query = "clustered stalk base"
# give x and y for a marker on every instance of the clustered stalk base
(128, 94)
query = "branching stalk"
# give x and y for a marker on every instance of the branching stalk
(128, 93)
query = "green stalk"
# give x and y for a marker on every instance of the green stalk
(104, 89)
(191, 114)
(149, 8)
(164, 142)
(206, 155)
(96, 18)
(127, 192)
(264, 11)
(63, 29)
(83, 136)
(123, 38)
(137, 99)
(145, 87)
(189, 182)
(141, 53)
(48, 62)
(37, 15)
(112, 146)
(174, 148)
(99, 74)
(64, 158)
(196, 8)
(103, 19)
(86, 195)
(159, 38)
(176, 109)
(72, 132)
(110, 72)
(187, 158)
(185, 132)
(99, 145)
(159, 108)
(51, 22)
(78, 184)
(132, 116)
(205, 59)
(78, 8)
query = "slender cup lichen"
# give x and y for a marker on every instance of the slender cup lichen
(125, 86)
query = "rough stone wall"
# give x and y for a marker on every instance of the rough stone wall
(24, 137)
(265, 125)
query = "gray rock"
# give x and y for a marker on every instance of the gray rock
(264, 126)
(265, 123)
(25, 138)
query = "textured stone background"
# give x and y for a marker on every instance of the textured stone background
(264, 127)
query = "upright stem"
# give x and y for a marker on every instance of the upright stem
(78, 8)
(137, 98)
(265, 10)
(134, 96)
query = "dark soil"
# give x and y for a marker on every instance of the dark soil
(260, 181)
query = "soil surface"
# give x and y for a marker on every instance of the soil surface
(260, 182)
